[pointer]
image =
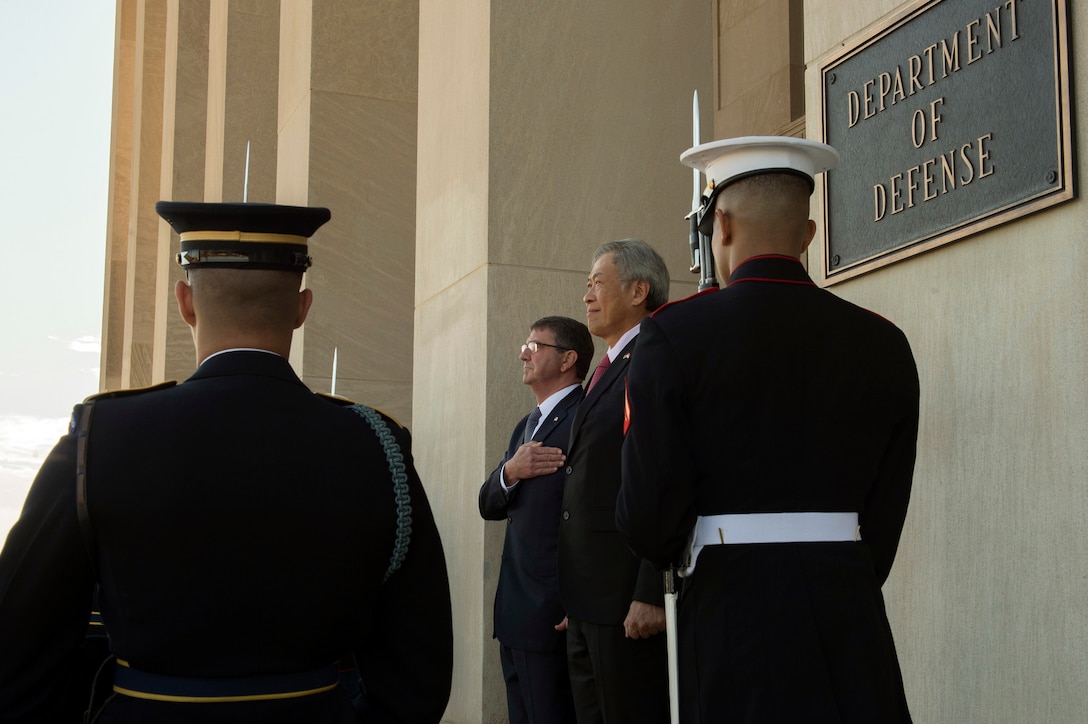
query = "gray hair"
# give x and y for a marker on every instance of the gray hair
(638, 261)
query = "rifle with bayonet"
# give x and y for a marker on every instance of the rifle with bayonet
(702, 256)
(702, 263)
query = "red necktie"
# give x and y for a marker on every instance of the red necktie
(605, 361)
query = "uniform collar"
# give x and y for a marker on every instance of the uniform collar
(246, 362)
(771, 268)
(237, 349)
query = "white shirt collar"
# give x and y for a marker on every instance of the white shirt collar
(623, 341)
(236, 349)
(551, 401)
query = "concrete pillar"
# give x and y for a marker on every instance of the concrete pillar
(125, 68)
(252, 85)
(347, 140)
(243, 80)
(185, 124)
(544, 130)
(141, 289)
(759, 67)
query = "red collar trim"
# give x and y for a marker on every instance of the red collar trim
(772, 280)
(666, 305)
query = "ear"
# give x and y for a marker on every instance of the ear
(184, 294)
(810, 232)
(570, 358)
(719, 245)
(641, 289)
(725, 223)
(305, 299)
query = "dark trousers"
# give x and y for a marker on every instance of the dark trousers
(537, 686)
(617, 680)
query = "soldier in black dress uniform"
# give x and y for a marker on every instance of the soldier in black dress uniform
(767, 422)
(246, 535)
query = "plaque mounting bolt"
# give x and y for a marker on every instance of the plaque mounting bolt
(835, 260)
(831, 79)
(1051, 176)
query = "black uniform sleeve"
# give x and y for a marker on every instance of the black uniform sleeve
(886, 504)
(407, 666)
(655, 510)
(46, 592)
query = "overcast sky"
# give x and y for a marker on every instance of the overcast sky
(56, 78)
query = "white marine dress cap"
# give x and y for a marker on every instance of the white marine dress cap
(732, 159)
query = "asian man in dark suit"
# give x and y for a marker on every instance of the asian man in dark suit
(614, 600)
(526, 490)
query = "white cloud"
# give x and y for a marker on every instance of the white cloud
(24, 444)
(13, 490)
(25, 441)
(86, 343)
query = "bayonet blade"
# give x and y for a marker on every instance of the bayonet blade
(696, 187)
(696, 193)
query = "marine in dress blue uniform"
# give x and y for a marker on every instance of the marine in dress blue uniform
(526, 490)
(772, 419)
(245, 534)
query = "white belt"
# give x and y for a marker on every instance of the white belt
(771, 528)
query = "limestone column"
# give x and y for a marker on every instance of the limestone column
(141, 289)
(242, 87)
(131, 288)
(251, 88)
(759, 64)
(544, 130)
(125, 67)
(347, 139)
(185, 104)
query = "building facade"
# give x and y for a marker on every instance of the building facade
(475, 152)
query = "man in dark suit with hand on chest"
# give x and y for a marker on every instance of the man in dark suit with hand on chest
(526, 490)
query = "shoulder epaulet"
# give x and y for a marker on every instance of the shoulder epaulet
(389, 417)
(673, 303)
(345, 402)
(880, 317)
(335, 398)
(129, 392)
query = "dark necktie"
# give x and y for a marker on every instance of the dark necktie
(605, 361)
(530, 425)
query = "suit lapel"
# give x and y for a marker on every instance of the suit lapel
(558, 414)
(616, 371)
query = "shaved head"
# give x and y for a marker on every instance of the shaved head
(775, 203)
(242, 308)
(246, 298)
(762, 214)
